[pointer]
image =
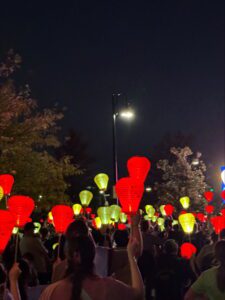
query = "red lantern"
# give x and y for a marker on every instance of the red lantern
(201, 217)
(138, 167)
(7, 222)
(121, 226)
(187, 250)
(129, 192)
(169, 209)
(21, 207)
(223, 212)
(92, 216)
(223, 194)
(62, 217)
(6, 182)
(208, 196)
(88, 210)
(218, 223)
(209, 209)
(183, 212)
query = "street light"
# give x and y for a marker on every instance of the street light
(125, 113)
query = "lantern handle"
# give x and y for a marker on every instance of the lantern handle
(16, 246)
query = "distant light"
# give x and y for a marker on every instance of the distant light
(40, 196)
(101, 192)
(148, 189)
(127, 114)
(195, 162)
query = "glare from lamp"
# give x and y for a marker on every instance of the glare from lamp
(127, 114)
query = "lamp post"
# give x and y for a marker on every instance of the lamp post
(125, 113)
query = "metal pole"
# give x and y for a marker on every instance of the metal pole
(115, 158)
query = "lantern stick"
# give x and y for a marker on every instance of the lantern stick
(16, 246)
(58, 252)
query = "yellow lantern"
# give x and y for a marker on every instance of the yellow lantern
(15, 230)
(104, 213)
(161, 208)
(147, 218)
(160, 221)
(162, 228)
(154, 219)
(54, 246)
(115, 212)
(76, 209)
(123, 217)
(98, 222)
(187, 222)
(101, 181)
(150, 210)
(50, 216)
(175, 222)
(85, 197)
(37, 227)
(185, 202)
(1, 193)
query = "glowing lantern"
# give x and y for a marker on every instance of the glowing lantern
(123, 217)
(154, 219)
(147, 218)
(21, 207)
(160, 221)
(7, 222)
(185, 202)
(88, 210)
(85, 197)
(187, 250)
(77, 209)
(121, 226)
(92, 216)
(218, 223)
(209, 209)
(162, 210)
(129, 192)
(54, 246)
(115, 212)
(223, 194)
(187, 222)
(15, 230)
(101, 181)
(37, 227)
(201, 217)
(223, 212)
(175, 222)
(138, 167)
(1, 193)
(168, 208)
(208, 196)
(97, 223)
(6, 182)
(104, 213)
(150, 210)
(62, 217)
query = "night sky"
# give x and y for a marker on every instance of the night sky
(166, 56)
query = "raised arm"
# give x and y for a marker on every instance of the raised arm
(14, 274)
(136, 233)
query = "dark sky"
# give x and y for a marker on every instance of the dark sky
(166, 56)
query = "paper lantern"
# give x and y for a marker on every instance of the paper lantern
(77, 209)
(138, 167)
(7, 222)
(115, 212)
(6, 182)
(15, 230)
(162, 210)
(122, 226)
(104, 213)
(154, 219)
(1, 193)
(160, 221)
(209, 209)
(185, 202)
(168, 208)
(150, 210)
(129, 192)
(187, 222)
(223, 212)
(62, 217)
(101, 181)
(218, 223)
(54, 246)
(88, 210)
(208, 196)
(85, 197)
(187, 250)
(92, 216)
(97, 223)
(21, 207)
(175, 222)
(37, 227)
(223, 194)
(123, 217)
(201, 217)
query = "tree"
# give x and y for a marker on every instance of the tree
(28, 137)
(182, 178)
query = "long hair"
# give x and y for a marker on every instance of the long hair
(79, 269)
(220, 256)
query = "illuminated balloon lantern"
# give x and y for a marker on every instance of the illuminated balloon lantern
(129, 192)
(101, 181)
(209, 209)
(1, 193)
(104, 213)
(160, 221)
(175, 222)
(187, 222)
(50, 218)
(123, 217)
(77, 209)
(150, 211)
(154, 219)
(115, 212)
(201, 217)
(208, 196)
(6, 182)
(147, 218)
(138, 167)
(21, 207)
(97, 223)
(162, 210)
(37, 227)
(187, 250)
(121, 226)
(223, 212)
(88, 210)
(185, 202)
(218, 223)
(62, 217)
(7, 222)
(168, 208)
(85, 197)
